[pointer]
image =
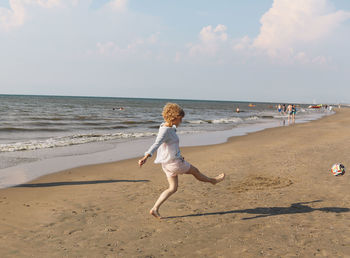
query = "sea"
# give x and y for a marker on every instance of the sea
(46, 134)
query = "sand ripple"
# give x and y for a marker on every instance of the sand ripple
(255, 182)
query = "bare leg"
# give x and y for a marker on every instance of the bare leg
(173, 183)
(201, 177)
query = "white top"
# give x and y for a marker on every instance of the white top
(167, 144)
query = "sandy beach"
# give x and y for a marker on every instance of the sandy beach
(279, 200)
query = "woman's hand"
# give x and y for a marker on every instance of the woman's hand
(143, 160)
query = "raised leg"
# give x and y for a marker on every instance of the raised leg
(201, 177)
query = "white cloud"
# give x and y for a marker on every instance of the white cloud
(210, 41)
(242, 44)
(106, 47)
(14, 16)
(117, 5)
(138, 46)
(178, 57)
(46, 3)
(321, 60)
(17, 14)
(290, 33)
(290, 25)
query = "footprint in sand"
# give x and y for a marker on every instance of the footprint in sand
(261, 183)
(72, 231)
(109, 229)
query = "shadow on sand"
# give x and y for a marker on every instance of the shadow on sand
(262, 212)
(80, 183)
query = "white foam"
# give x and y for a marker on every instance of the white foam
(69, 140)
(251, 118)
(227, 120)
(197, 122)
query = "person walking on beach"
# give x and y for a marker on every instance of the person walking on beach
(290, 113)
(279, 109)
(168, 154)
(294, 112)
(284, 109)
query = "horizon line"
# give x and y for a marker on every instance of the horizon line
(159, 98)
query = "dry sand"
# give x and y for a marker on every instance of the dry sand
(279, 199)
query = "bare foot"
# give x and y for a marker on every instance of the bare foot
(155, 214)
(219, 178)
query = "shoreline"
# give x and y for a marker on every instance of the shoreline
(279, 199)
(23, 173)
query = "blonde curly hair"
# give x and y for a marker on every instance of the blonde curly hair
(171, 111)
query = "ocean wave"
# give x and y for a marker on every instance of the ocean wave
(198, 122)
(267, 117)
(68, 141)
(227, 120)
(19, 129)
(252, 118)
(50, 118)
(231, 120)
(131, 122)
(43, 124)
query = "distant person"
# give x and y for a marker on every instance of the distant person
(284, 107)
(168, 154)
(119, 108)
(289, 112)
(279, 108)
(294, 112)
(237, 110)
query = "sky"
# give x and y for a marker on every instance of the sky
(243, 50)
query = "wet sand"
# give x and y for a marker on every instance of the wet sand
(279, 199)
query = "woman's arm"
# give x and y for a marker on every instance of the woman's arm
(161, 137)
(143, 160)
